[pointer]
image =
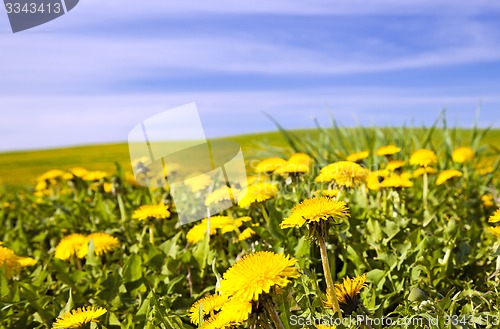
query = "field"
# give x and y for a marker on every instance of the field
(404, 234)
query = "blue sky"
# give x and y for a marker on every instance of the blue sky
(93, 74)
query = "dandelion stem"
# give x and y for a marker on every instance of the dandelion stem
(273, 314)
(330, 290)
(426, 189)
(123, 215)
(152, 233)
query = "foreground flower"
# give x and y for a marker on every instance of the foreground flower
(344, 173)
(315, 210)
(423, 158)
(103, 243)
(495, 218)
(257, 193)
(446, 175)
(269, 165)
(159, 211)
(257, 273)
(69, 246)
(355, 157)
(79, 317)
(388, 150)
(9, 260)
(206, 306)
(463, 154)
(348, 293)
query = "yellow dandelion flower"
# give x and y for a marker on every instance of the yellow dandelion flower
(79, 317)
(41, 186)
(484, 170)
(406, 176)
(301, 158)
(420, 171)
(159, 211)
(221, 194)
(344, 173)
(388, 150)
(198, 232)
(79, 172)
(257, 273)
(423, 158)
(292, 168)
(198, 182)
(234, 312)
(92, 176)
(347, 293)
(315, 210)
(372, 181)
(259, 192)
(10, 261)
(446, 175)
(495, 218)
(107, 187)
(396, 181)
(463, 154)
(246, 234)
(103, 243)
(26, 261)
(487, 200)
(395, 164)
(358, 156)
(206, 306)
(269, 165)
(50, 175)
(495, 231)
(69, 246)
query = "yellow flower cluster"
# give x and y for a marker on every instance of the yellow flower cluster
(78, 244)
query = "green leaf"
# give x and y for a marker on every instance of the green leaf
(132, 271)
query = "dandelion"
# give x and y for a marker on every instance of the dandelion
(145, 212)
(10, 261)
(198, 232)
(495, 231)
(388, 150)
(257, 273)
(423, 158)
(301, 158)
(257, 193)
(446, 175)
(463, 154)
(26, 261)
(487, 200)
(395, 164)
(103, 243)
(348, 293)
(79, 317)
(70, 245)
(372, 181)
(93, 176)
(292, 168)
(221, 194)
(344, 173)
(269, 165)
(232, 313)
(420, 171)
(246, 234)
(79, 172)
(315, 210)
(198, 182)
(396, 181)
(327, 193)
(355, 157)
(50, 175)
(495, 218)
(206, 306)
(224, 223)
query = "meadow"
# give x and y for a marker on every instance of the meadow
(338, 227)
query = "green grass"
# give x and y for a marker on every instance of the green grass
(21, 168)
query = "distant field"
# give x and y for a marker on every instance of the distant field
(21, 168)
